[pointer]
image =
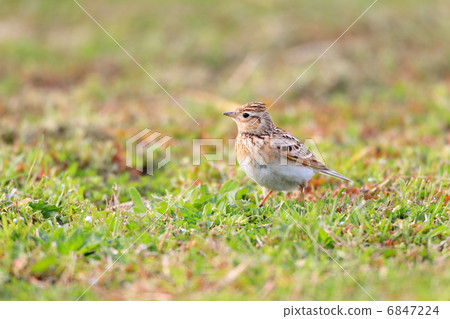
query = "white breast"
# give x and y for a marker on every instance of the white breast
(279, 177)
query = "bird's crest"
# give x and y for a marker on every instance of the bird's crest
(253, 107)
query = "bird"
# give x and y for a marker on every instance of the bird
(270, 156)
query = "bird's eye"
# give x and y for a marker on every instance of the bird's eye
(245, 115)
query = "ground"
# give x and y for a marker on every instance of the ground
(77, 223)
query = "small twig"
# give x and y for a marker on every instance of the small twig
(166, 234)
(265, 225)
(260, 243)
(233, 274)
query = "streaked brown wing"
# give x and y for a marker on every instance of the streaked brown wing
(295, 151)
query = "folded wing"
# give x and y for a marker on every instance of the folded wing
(298, 154)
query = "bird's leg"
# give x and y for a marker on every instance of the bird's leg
(265, 198)
(300, 198)
(302, 193)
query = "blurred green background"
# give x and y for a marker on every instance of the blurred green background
(377, 105)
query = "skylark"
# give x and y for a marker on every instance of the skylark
(270, 156)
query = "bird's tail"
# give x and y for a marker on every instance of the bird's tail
(330, 172)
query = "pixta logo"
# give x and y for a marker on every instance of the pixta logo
(143, 147)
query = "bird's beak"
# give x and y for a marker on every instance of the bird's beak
(230, 114)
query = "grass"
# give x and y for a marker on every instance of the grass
(376, 106)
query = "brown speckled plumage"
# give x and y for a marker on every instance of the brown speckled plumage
(271, 156)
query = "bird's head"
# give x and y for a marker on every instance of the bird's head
(252, 118)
